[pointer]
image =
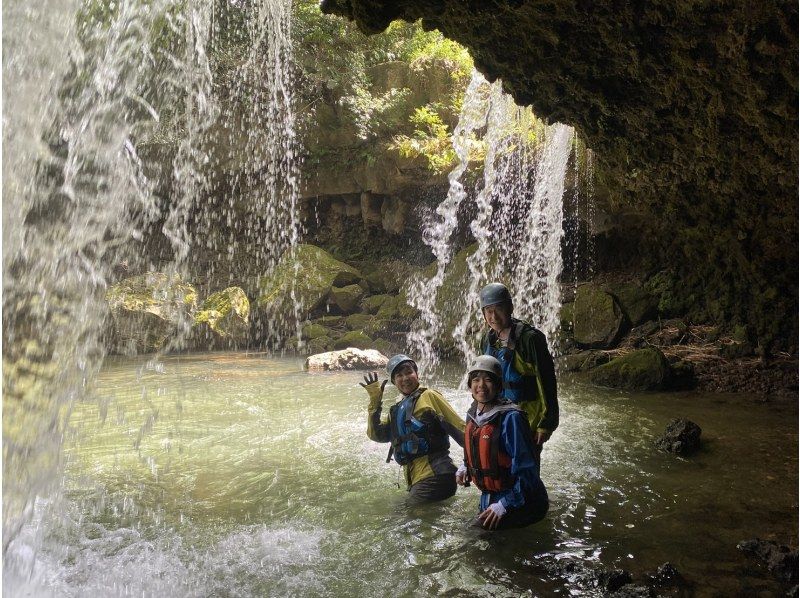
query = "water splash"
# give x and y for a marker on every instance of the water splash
(131, 75)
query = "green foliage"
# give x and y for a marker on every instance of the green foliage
(431, 140)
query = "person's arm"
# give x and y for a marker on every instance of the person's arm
(451, 423)
(377, 429)
(517, 441)
(535, 351)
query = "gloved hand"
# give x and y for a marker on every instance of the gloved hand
(461, 475)
(491, 517)
(374, 390)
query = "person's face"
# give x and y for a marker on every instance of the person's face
(405, 378)
(498, 316)
(484, 388)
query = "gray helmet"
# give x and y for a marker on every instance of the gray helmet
(494, 293)
(486, 363)
(395, 361)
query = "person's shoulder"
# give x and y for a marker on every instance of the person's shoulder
(528, 332)
(431, 395)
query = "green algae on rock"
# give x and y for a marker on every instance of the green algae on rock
(226, 314)
(146, 310)
(313, 269)
(598, 320)
(645, 369)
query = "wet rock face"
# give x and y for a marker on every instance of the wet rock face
(691, 109)
(598, 319)
(681, 437)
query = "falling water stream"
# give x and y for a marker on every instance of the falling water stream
(234, 474)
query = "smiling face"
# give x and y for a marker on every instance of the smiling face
(483, 387)
(498, 316)
(405, 378)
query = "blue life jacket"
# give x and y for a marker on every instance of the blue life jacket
(516, 387)
(410, 437)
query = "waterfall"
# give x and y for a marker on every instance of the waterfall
(516, 222)
(85, 113)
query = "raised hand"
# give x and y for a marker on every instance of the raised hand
(370, 384)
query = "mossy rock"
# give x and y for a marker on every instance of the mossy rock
(316, 271)
(645, 369)
(312, 331)
(636, 303)
(330, 321)
(319, 344)
(389, 277)
(583, 361)
(346, 278)
(358, 321)
(384, 346)
(372, 304)
(224, 316)
(673, 296)
(354, 338)
(347, 298)
(567, 316)
(146, 310)
(598, 319)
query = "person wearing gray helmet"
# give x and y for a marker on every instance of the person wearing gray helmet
(499, 454)
(529, 376)
(418, 426)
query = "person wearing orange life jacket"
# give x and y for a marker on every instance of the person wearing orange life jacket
(500, 456)
(417, 427)
(529, 376)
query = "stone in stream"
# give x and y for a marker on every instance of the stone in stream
(223, 319)
(643, 369)
(347, 359)
(597, 318)
(146, 310)
(781, 560)
(681, 437)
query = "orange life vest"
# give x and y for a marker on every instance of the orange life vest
(489, 466)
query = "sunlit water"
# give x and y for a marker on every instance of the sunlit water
(232, 475)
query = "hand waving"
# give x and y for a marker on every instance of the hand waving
(372, 378)
(370, 384)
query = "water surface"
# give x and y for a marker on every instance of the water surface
(228, 474)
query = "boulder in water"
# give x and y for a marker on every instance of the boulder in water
(146, 309)
(347, 359)
(681, 437)
(597, 318)
(314, 270)
(224, 318)
(644, 369)
(781, 561)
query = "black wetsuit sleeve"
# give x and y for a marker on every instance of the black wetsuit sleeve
(547, 373)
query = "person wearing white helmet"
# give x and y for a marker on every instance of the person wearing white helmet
(529, 376)
(499, 454)
(418, 426)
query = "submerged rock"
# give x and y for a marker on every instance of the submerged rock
(146, 310)
(597, 318)
(781, 561)
(645, 369)
(681, 437)
(348, 359)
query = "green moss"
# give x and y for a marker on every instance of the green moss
(373, 304)
(314, 271)
(645, 369)
(358, 321)
(313, 331)
(354, 338)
